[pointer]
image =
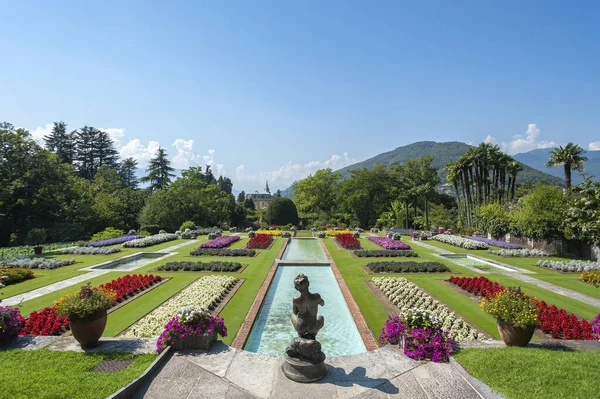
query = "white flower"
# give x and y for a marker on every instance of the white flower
(460, 242)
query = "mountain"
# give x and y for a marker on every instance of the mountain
(537, 159)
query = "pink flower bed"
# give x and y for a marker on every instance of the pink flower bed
(220, 242)
(388, 243)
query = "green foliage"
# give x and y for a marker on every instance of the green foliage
(582, 217)
(282, 211)
(84, 303)
(570, 157)
(107, 233)
(513, 307)
(159, 172)
(188, 224)
(317, 193)
(249, 204)
(212, 266)
(494, 219)
(540, 213)
(36, 237)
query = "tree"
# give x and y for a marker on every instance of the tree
(277, 194)
(282, 211)
(225, 184)
(241, 197)
(127, 170)
(317, 193)
(159, 172)
(540, 214)
(570, 157)
(93, 148)
(61, 143)
(494, 219)
(249, 204)
(582, 217)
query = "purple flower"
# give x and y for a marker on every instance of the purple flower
(220, 242)
(113, 241)
(388, 243)
(176, 329)
(501, 244)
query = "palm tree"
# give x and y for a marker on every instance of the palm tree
(514, 168)
(571, 157)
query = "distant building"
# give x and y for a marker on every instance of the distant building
(261, 200)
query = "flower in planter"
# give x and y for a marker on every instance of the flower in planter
(11, 323)
(190, 321)
(513, 307)
(87, 302)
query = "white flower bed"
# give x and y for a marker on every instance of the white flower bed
(570, 265)
(91, 250)
(204, 292)
(462, 242)
(533, 253)
(410, 297)
(150, 240)
(39, 263)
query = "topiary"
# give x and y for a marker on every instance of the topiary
(251, 234)
(162, 232)
(321, 234)
(282, 211)
(187, 225)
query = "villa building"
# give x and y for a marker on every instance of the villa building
(261, 200)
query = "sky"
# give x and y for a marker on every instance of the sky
(275, 90)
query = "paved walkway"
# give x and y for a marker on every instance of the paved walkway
(523, 276)
(59, 285)
(226, 372)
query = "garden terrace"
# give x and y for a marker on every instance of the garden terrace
(407, 267)
(214, 266)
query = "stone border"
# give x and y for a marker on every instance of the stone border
(482, 388)
(222, 303)
(130, 389)
(359, 320)
(242, 335)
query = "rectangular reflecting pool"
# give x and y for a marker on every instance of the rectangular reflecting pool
(468, 260)
(132, 262)
(273, 330)
(304, 249)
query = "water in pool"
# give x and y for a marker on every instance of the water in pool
(132, 262)
(273, 330)
(304, 249)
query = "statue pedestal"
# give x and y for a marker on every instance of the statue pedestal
(303, 371)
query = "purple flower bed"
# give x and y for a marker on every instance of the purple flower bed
(388, 243)
(496, 243)
(113, 241)
(220, 242)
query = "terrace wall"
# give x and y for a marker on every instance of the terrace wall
(574, 248)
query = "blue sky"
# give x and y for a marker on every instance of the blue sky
(276, 90)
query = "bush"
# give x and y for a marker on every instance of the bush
(356, 234)
(152, 229)
(36, 237)
(9, 276)
(214, 266)
(407, 267)
(61, 232)
(321, 234)
(132, 232)
(107, 234)
(222, 252)
(251, 234)
(384, 253)
(286, 234)
(282, 211)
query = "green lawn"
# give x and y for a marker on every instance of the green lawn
(525, 373)
(47, 374)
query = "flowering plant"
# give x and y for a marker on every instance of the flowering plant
(11, 323)
(347, 241)
(220, 242)
(114, 241)
(420, 318)
(392, 331)
(428, 343)
(596, 326)
(86, 302)
(151, 240)
(513, 307)
(190, 321)
(10, 276)
(333, 233)
(388, 243)
(129, 285)
(520, 253)
(260, 241)
(591, 277)
(461, 242)
(274, 233)
(496, 243)
(45, 322)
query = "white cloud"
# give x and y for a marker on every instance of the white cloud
(115, 133)
(185, 156)
(40, 132)
(595, 146)
(523, 143)
(140, 152)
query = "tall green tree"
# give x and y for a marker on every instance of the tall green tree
(241, 197)
(61, 142)
(569, 157)
(225, 184)
(317, 193)
(282, 211)
(540, 213)
(127, 171)
(93, 148)
(582, 215)
(159, 173)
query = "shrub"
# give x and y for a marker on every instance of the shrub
(107, 233)
(113, 241)
(91, 250)
(11, 323)
(591, 277)
(152, 229)
(86, 302)
(356, 234)
(374, 230)
(222, 252)
(321, 234)
(347, 241)
(384, 253)
(36, 237)
(260, 241)
(282, 211)
(131, 232)
(187, 225)
(39, 263)
(149, 241)
(407, 267)
(214, 266)
(9, 276)
(286, 234)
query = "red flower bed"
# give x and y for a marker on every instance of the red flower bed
(347, 241)
(552, 320)
(479, 286)
(130, 284)
(260, 241)
(45, 322)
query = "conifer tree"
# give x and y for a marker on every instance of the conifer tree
(159, 172)
(127, 170)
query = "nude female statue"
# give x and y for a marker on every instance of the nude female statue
(305, 308)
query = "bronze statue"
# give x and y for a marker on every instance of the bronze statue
(305, 308)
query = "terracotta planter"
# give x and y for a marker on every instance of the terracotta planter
(88, 330)
(514, 336)
(38, 250)
(195, 342)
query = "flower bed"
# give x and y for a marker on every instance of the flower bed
(496, 243)
(347, 241)
(15, 275)
(552, 320)
(384, 253)
(260, 241)
(215, 266)
(114, 241)
(570, 266)
(409, 297)
(460, 241)
(151, 240)
(520, 253)
(273, 233)
(222, 252)
(334, 233)
(590, 277)
(206, 292)
(220, 242)
(26, 250)
(38, 263)
(388, 243)
(129, 285)
(90, 251)
(45, 322)
(407, 267)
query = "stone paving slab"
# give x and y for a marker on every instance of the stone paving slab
(107, 345)
(29, 343)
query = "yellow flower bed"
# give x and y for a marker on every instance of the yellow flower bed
(274, 233)
(333, 233)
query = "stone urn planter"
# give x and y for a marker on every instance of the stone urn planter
(88, 330)
(195, 342)
(38, 250)
(514, 336)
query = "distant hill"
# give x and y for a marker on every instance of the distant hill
(537, 159)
